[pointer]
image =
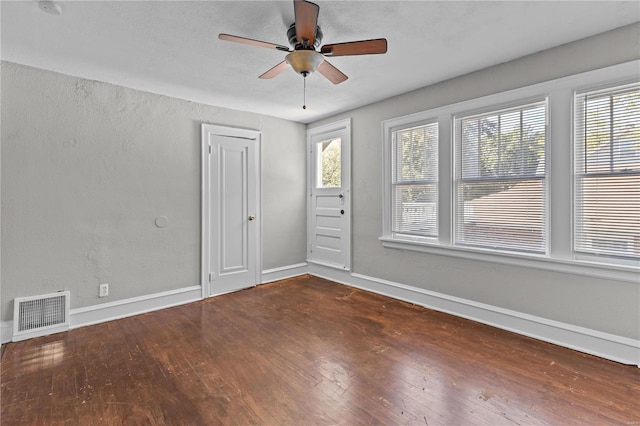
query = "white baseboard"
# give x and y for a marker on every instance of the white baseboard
(6, 332)
(96, 314)
(605, 345)
(110, 311)
(290, 271)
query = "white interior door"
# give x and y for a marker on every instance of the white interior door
(329, 209)
(231, 204)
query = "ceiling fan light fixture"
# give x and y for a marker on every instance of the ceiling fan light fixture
(304, 62)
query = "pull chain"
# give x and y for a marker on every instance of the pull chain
(304, 93)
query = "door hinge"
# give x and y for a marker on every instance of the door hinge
(211, 277)
(209, 149)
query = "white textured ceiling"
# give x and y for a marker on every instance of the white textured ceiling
(171, 47)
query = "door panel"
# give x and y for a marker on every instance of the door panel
(329, 221)
(233, 227)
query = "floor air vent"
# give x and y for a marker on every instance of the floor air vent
(40, 315)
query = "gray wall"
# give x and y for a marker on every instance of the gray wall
(599, 304)
(88, 166)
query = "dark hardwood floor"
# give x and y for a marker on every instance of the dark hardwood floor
(307, 351)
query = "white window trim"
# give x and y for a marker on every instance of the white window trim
(560, 256)
(407, 122)
(487, 108)
(584, 256)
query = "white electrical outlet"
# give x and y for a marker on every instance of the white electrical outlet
(104, 290)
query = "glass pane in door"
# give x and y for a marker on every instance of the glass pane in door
(328, 161)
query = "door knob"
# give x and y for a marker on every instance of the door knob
(251, 217)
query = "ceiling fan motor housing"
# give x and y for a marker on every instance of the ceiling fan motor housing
(293, 38)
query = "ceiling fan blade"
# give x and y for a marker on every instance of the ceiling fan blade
(332, 73)
(306, 20)
(363, 47)
(252, 42)
(275, 70)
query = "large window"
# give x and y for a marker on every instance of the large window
(500, 179)
(607, 172)
(415, 180)
(545, 176)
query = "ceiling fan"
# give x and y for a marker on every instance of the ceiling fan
(305, 36)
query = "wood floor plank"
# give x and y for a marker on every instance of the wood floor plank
(307, 351)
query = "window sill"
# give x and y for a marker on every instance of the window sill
(567, 266)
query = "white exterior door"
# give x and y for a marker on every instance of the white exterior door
(329, 209)
(230, 209)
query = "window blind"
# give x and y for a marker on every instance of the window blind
(415, 180)
(500, 179)
(607, 172)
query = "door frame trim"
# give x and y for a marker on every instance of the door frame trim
(205, 235)
(336, 126)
